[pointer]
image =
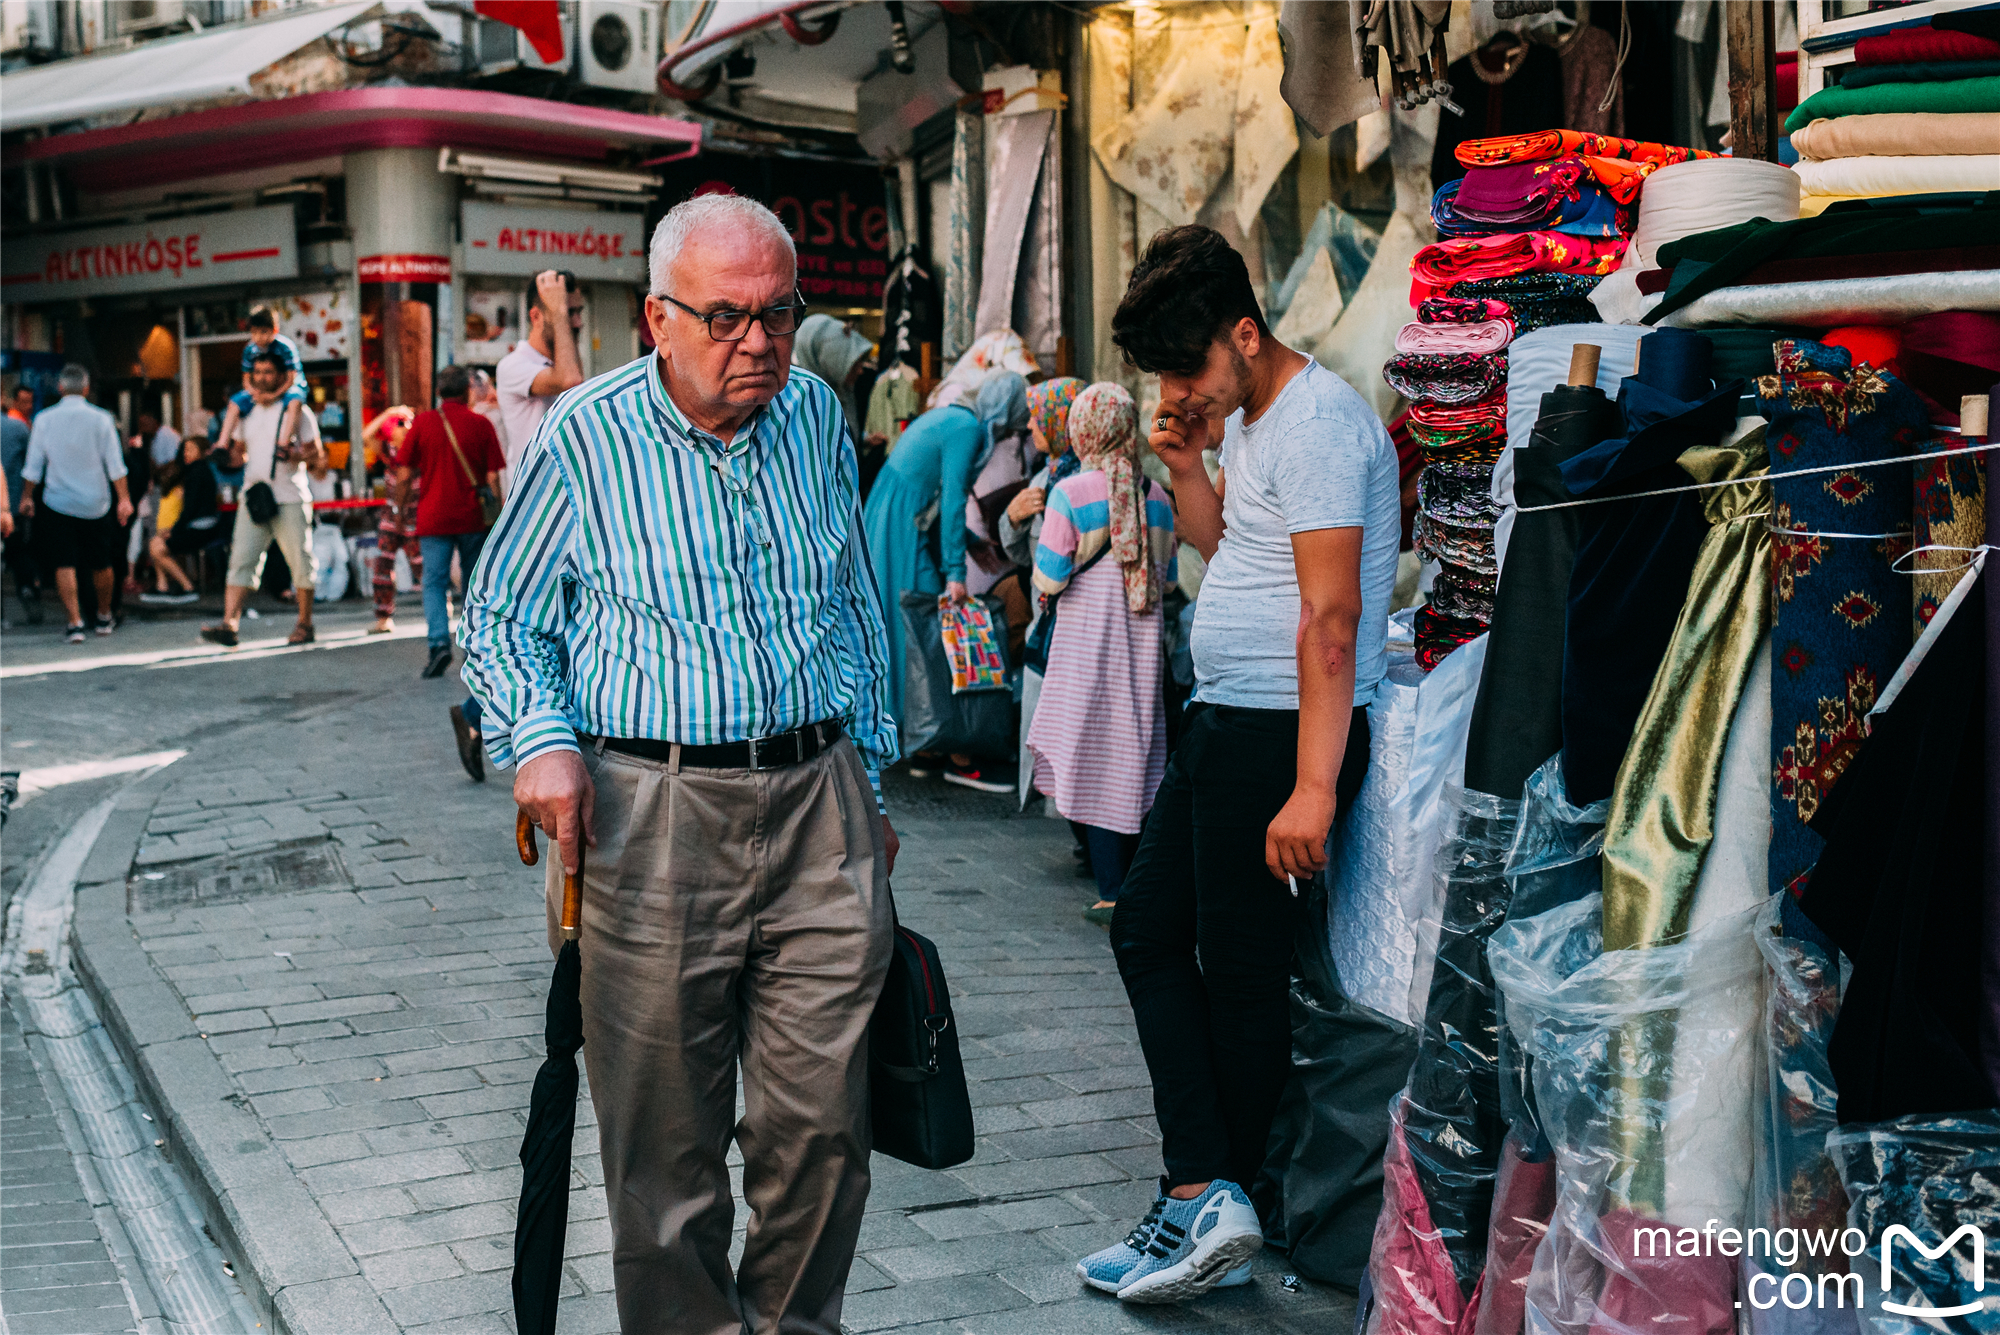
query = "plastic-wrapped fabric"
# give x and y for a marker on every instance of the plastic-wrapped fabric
(1933, 1176)
(1384, 928)
(1451, 1122)
(1331, 1130)
(1796, 1183)
(1524, 1199)
(1455, 337)
(1837, 301)
(1578, 1009)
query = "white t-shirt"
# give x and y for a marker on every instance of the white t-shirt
(520, 410)
(1318, 458)
(258, 429)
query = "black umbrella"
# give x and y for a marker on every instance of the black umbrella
(543, 1218)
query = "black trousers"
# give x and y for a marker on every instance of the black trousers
(1204, 937)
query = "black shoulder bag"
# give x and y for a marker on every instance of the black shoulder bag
(258, 498)
(922, 1112)
(1042, 634)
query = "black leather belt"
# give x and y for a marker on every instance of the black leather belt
(758, 753)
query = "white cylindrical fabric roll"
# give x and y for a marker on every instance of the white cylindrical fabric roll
(1874, 176)
(1536, 363)
(1835, 301)
(1700, 195)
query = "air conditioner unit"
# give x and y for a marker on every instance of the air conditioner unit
(137, 16)
(619, 44)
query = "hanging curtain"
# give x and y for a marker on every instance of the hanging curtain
(968, 227)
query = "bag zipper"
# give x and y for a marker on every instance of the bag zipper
(934, 1023)
(924, 967)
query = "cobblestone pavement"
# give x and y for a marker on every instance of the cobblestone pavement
(373, 1012)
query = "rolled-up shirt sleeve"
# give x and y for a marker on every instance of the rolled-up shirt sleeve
(516, 661)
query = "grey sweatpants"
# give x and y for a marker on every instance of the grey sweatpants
(731, 917)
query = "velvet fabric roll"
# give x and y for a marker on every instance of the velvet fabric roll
(1926, 43)
(1634, 557)
(1840, 614)
(1447, 378)
(1439, 266)
(1950, 355)
(1517, 716)
(1899, 889)
(1475, 339)
(1930, 71)
(1957, 96)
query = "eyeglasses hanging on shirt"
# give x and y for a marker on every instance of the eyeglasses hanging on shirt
(740, 488)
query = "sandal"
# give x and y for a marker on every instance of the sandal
(220, 634)
(300, 635)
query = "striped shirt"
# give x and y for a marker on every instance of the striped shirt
(1076, 526)
(649, 580)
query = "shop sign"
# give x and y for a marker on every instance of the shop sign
(835, 213)
(245, 245)
(404, 268)
(503, 239)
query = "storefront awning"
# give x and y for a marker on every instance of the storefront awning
(320, 125)
(161, 73)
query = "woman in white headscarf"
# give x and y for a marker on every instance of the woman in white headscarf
(915, 519)
(1105, 556)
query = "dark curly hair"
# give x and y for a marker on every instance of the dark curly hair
(1187, 292)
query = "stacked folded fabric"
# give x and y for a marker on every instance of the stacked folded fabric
(1534, 225)
(1918, 113)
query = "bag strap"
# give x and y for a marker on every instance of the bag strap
(1095, 557)
(471, 478)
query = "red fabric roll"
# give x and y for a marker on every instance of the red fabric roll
(1868, 343)
(1788, 81)
(1436, 267)
(1911, 45)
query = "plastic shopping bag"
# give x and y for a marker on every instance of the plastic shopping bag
(936, 717)
(978, 660)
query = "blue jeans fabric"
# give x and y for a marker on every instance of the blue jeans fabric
(437, 550)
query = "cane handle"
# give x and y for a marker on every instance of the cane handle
(572, 907)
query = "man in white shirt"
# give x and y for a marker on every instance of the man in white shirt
(161, 439)
(73, 478)
(255, 450)
(544, 364)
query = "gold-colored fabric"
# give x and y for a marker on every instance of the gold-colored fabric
(1663, 802)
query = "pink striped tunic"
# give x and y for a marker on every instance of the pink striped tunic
(1099, 734)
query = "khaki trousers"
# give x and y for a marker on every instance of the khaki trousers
(731, 917)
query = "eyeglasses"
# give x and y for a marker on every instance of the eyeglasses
(731, 326)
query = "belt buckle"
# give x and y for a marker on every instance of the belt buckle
(752, 744)
(757, 760)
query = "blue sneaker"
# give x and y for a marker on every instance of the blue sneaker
(1106, 1270)
(1194, 1246)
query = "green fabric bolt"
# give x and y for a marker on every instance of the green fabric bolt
(1954, 95)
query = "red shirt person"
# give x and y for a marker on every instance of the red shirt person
(456, 454)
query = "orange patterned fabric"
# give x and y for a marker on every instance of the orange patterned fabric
(1543, 144)
(1622, 177)
(1437, 267)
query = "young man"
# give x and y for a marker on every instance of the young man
(266, 340)
(21, 405)
(73, 481)
(542, 365)
(1300, 529)
(452, 451)
(255, 449)
(161, 440)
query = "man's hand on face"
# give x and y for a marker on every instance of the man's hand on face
(1177, 435)
(553, 295)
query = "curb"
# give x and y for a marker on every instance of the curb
(293, 1267)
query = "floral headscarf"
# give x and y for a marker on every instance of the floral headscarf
(1104, 431)
(1048, 412)
(990, 354)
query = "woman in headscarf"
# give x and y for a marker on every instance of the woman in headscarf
(1105, 557)
(1048, 425)
(915, 518)
(836, 354)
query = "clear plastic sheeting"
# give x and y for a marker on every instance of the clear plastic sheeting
(1524, 1198)
(1930, 1177)
(1444, 1146)
(1384, 928)
(1797, 1183)
(1628, 1047)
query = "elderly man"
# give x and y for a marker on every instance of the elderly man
(674, 634)
(73, 479)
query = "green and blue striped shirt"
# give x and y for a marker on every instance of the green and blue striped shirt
(649, 580)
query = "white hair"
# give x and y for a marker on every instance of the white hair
(683, 220)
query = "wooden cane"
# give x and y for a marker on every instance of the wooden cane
(572, 909)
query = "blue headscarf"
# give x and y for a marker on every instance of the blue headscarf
(1002, 408)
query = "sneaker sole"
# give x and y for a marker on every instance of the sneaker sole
(982, 785)
(1102, 1286)
(1194, 1276)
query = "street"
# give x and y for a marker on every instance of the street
(341, 1030)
